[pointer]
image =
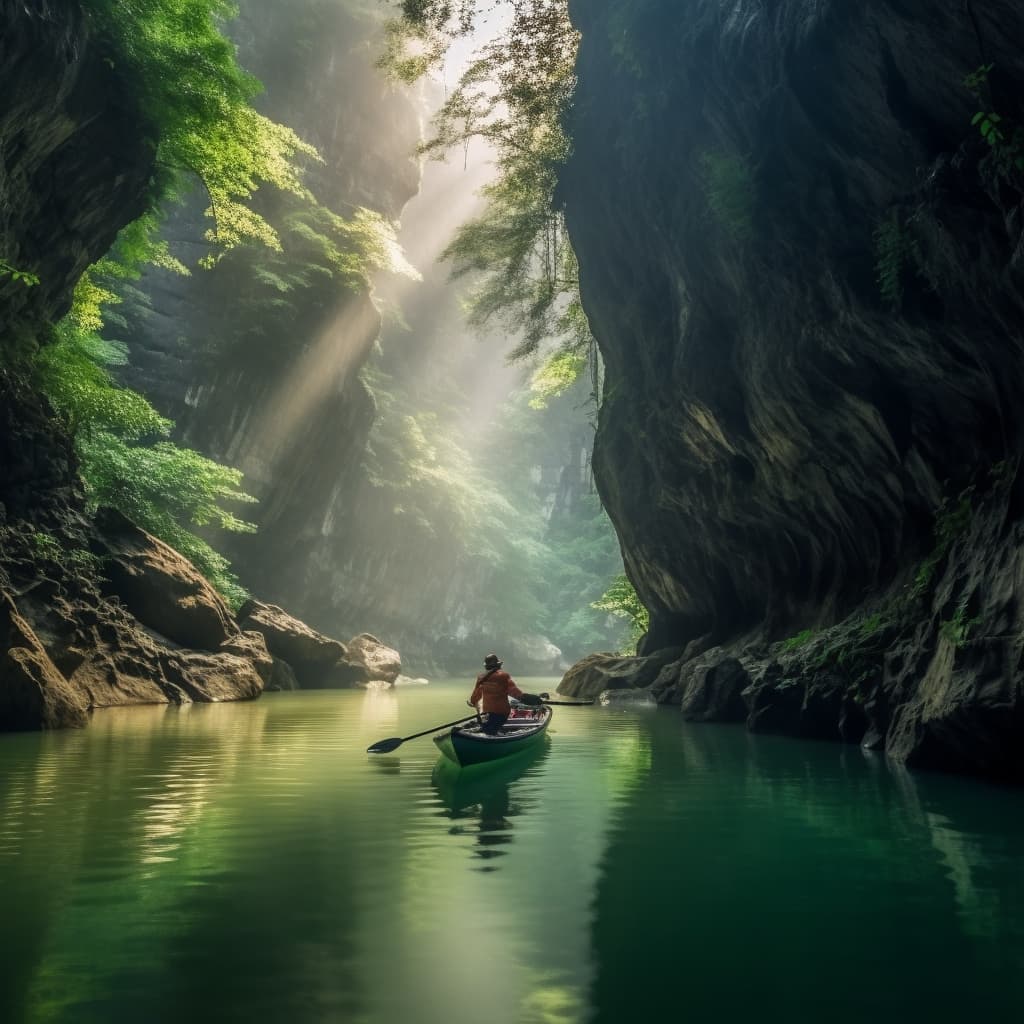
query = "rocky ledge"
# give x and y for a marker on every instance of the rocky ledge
(95, 614)
(930, 672)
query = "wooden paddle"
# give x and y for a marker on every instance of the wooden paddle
(394, 742)
(569, 703)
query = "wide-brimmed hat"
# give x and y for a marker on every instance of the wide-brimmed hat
(492, 661)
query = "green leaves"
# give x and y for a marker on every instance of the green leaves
(555, 376)
(1005, 139)
(513, 96)
(166, 490)
(172, 55)
(26, 278)
(124, 461)
(621, 599)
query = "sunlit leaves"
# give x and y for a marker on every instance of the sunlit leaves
(513, 97)
(87, 397)
(125, 462)
(166, 490)
(621, 599)
(173, 57)
(555, 376)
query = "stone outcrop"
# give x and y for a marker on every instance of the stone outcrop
(379, 662)
(73, 642)
(316, 660)
(803, 265)
(32, 692)
(92, 612)
(160, 588)
(599, 672)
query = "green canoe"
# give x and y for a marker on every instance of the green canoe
(468, 744)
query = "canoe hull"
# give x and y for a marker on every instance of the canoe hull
(467, 747)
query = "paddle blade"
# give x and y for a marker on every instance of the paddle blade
(385, 746)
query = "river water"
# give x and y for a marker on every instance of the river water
(250, 862)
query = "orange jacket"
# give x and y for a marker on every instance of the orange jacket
(494, 689)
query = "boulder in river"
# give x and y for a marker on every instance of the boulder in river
(251, 645)
(312, 656)
(711, 689)
(377, 661)
(599, 672)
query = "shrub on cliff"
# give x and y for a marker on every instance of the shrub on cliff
(173, 58)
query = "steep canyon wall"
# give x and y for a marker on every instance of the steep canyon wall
(803, 265)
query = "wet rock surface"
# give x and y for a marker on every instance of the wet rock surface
(600, 672)
(87, 649)
(33, 693)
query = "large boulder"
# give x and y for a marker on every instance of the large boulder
(711, 689)
(309, 653)
(599, 672)
(212, 677)
(304, 658)
(33, 693)
(161, 588)
(377, 661)
(252, 646)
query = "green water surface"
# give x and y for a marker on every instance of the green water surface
(250, 862)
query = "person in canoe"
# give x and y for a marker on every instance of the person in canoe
(493, 689)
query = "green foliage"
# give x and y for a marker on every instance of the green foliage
(621, 599)
(729, 190)
(481, 505)
(45, 545)
(410, 50)
(72, 375)
(1005, 139)
(555, 376)
(895, 251)
(513, 96)
(164, 488)
(870, 625)
(48, 548)
(26, 278)
(794, 643)
(958, 629)
(952, 521)
(172, 56)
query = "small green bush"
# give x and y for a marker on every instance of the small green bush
(794, 643)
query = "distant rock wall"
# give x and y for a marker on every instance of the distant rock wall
(273, 388)
(778, 432)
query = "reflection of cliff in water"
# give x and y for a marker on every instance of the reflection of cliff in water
(485, 799)
(743, 856)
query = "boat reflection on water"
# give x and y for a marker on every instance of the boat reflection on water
(489, 796)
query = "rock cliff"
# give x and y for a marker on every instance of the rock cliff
(93, 611)
(258, 360)
(803, 265)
